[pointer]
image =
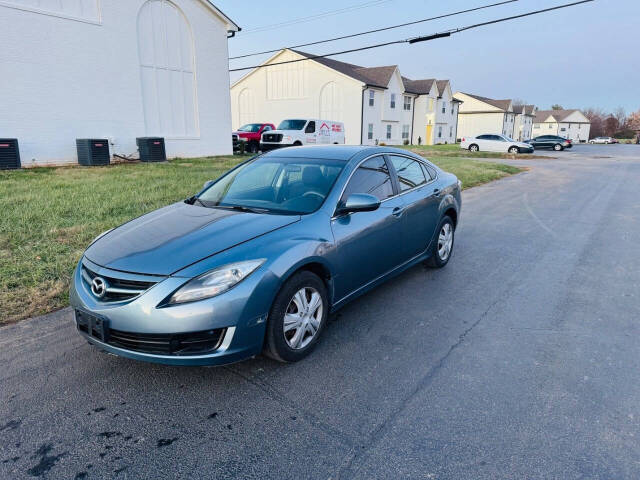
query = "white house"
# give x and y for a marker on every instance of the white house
(523, 122)
(376, 104)
(116, 69)
(571, 124)
(479, 115)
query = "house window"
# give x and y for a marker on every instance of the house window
(393, 100)
(444, 106)
(370, 132)
(372, 96)
(563, 129)
(405, 132)
(440, 131)
(167, 71)
(550, 126)
(407, 103)
(388, 132)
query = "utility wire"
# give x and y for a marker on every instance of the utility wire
(418, 39)
(430, 19)
(315, 17)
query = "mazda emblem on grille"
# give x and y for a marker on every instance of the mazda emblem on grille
(99, 287)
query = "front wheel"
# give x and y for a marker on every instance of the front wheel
(514, 150)
(557, 147)
(297, 317)
(254, 147)
(473, 148)
(443, 245)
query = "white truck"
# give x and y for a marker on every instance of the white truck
(298, 131)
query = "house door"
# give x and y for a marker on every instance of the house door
(429, 136)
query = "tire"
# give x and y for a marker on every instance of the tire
(558, 148)
(297, 143)
(474, 148)
(254, 147)
(278, 344)
(437, 260)
(514, 150)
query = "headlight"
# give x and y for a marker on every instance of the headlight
(215, 282)
(100, 236)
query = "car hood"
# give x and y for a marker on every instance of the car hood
(171, 238)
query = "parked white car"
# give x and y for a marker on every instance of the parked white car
(605, 140)
(309, 131)
(495, 143)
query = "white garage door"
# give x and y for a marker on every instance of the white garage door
(167, 70)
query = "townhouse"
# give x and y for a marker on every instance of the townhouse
(523, 125)
(571, 124)
(479, 115)
(376, 104)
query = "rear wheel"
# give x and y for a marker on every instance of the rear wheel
(297, 317)
(514, 150)
(443, 245)
(297, 143)
(557, 147)
(473, 148)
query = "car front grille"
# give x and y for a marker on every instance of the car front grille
(178, 344)
(194, 343)
(272, 137)
(116, 289)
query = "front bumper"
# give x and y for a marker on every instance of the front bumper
(265, 147)
(527, 150)
(239, 314)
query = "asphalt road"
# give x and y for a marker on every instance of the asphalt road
(520, 359)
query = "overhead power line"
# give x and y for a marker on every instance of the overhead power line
(310, 18)
(429, 19)
(424, 38)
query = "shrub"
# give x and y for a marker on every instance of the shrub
(405, 142)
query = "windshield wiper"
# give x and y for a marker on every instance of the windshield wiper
(193, 200)
(242, 208)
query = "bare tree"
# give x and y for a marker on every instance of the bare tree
(518, 102)
(596, 116)
(621, 116)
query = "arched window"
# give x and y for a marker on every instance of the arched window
(167, 66)
(331, 102)
(246, 107)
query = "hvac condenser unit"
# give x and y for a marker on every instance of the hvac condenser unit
(151, 149)
(93, 151)
(9, 153)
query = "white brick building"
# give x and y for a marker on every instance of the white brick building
(116, 69)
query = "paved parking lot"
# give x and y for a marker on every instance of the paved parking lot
(520, 359)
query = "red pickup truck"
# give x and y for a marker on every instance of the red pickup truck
(251, 133)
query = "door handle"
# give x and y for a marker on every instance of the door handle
(437, 192)
(398, 211)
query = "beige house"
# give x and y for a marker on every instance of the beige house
(571, 124)
(523, 126)
(479, 115)
(376, 104)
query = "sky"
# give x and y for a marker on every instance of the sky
(582, 56)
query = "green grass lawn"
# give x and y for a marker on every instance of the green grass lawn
(49, 215)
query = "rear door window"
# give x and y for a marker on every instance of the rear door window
(410, 173)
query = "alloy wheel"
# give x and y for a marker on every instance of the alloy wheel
(302, 318)
(445, 241)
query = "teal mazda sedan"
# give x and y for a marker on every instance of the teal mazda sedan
(258, 259)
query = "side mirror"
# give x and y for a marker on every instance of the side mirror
(359, 202)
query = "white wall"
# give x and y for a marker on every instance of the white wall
(447, 120)
(295, 90)
(474, 124)
(65, 78)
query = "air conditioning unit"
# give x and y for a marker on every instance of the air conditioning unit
(93, 151)
(151, 149)
(9, 153)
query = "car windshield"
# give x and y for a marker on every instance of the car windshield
(508, 139)
(292, 125)
(250, 127)
(291, 186)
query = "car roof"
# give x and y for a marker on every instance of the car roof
(333, 152)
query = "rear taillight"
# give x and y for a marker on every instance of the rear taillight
(463, 139)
